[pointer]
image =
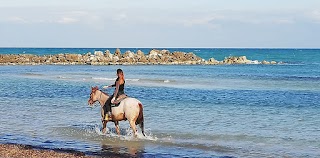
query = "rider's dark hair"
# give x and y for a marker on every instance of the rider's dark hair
(119, 71)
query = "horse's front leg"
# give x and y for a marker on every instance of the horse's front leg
(116, 124)
(104, 126)
(103, 119)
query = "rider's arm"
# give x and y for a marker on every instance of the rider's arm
(116, 90)
(105, 87)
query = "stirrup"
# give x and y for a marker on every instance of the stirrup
(107, 117)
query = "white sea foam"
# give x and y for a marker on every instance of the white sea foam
(103, 78)
(113, 79)
(133, 79)
(64, 77)
(126, 134)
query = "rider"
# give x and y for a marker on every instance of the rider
(119, 90)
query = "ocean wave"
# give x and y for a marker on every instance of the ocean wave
(135, 80)
(32, 74)
(64, 77)
(157, 80)
(103, 78)
(309, 78)
(113, 79)
(166, 81)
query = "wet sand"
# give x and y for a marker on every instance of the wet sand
(21, 151)
(29, 151)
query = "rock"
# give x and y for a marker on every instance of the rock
(92, 58)
(212, 61)
(237, 60)
(153, 54)
(73, 57)
(179, 56)
(165, 52)
(128, 58)
(98, 53)
(152, 60)
(143, 59)
(107, 52)
(117, 53)
(191, 56)
(128, 54)
(115, 58)
(242, 60)
(254, 62)
(108, 55)
(265, 62)
(140, 53)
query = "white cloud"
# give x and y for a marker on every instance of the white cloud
(284, 21)
(120, 17)
(17, 19)
(261, 17)
(67, 20)
(68, 17)
(315, 16)
(208, 21)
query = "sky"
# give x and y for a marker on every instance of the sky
(160, 23)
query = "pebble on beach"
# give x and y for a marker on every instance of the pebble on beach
(21, 151)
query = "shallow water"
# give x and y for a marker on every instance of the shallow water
(190, 111)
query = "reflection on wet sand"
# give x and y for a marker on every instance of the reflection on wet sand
(123, 148)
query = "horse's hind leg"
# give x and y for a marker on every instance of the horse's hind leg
(133, 127)
(116, 123)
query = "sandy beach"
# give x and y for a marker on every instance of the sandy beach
(20, 151)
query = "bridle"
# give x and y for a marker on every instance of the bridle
(91, 100)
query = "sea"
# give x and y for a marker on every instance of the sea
(220, 111)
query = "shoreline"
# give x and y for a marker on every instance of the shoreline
(154, 57)
(21, 150)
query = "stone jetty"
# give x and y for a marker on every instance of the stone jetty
(154, 57)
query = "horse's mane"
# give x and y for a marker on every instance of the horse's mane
(96, 88)
(104, 92)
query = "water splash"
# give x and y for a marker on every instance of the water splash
(126, 134)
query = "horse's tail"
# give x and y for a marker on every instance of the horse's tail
(140, 119)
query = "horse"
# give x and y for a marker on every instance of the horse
(130, 109)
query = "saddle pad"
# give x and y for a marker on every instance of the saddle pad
(119, 101)
(115, 105)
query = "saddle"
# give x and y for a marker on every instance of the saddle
(118, 100)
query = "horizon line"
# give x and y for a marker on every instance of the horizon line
(172, 47)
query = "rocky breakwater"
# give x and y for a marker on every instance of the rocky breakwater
(154, 57)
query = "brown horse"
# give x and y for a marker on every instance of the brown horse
(129, 109)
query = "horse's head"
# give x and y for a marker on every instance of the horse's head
(93, 95)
